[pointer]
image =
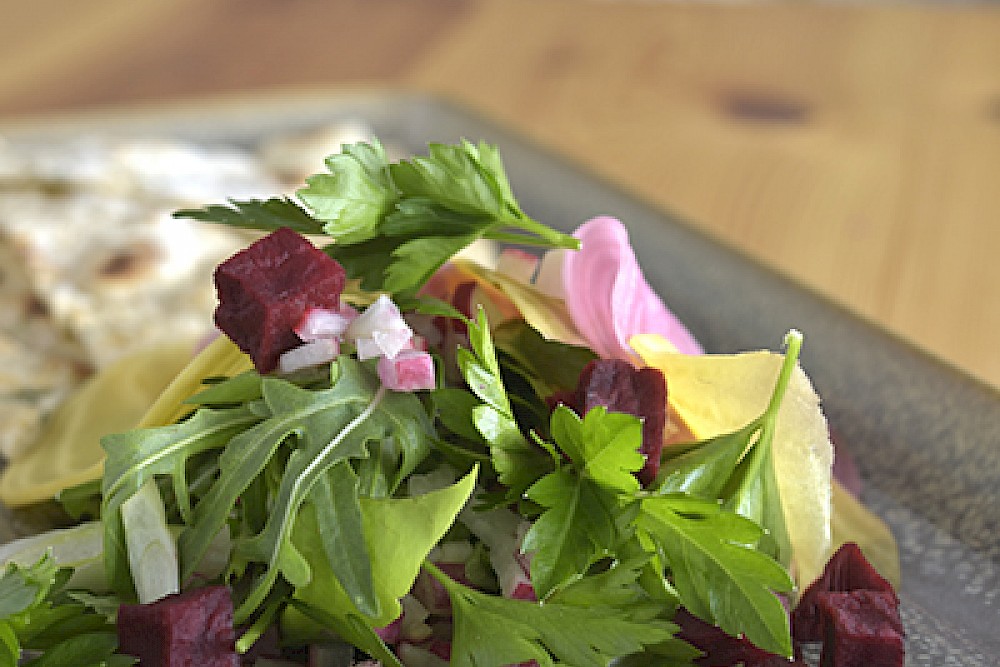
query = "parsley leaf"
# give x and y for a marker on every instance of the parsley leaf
(266, 215)
(738, 467)
(585, 500)
(517, 461)
(394, 224)
(491, 630)
(715, 568)
(355, 195)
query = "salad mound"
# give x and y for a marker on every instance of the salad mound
(436, 431)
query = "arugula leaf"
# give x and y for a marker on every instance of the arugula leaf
(719, 575)
(94, 649)
(492, 630)
(398, 533)
(139, 455)
(585, 501)
(550, 366)
(326, 427)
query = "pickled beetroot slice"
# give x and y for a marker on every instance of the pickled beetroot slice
(266, 289)
(190, 628)
(620, 387)
(847, 570)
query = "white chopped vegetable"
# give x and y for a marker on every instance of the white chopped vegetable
(80, 547)
(325, 323)
(152, 553)
(380, 331)
(313, 353)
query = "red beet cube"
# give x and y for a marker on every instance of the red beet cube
(265, 290)
(190, 629)
(848, 570)
(641, 392)
(861, 629)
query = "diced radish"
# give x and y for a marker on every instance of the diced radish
(313, 353)
(380, 331)
(409, 370)
(325, 323)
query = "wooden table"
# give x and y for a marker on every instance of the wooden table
(855, 148)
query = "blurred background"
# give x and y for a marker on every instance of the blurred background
(854, 147)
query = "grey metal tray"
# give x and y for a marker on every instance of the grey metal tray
(926, 436)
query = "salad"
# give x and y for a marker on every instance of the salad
(432, 430)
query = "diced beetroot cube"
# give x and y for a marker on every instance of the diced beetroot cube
(265, 290)
(862, 628)
(720, 648)
(847, 570)
(189, 629)
(620, 387)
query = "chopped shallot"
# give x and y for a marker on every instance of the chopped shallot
(313, 353)
(380, 331)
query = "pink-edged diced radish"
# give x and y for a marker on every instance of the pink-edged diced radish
(409, 370)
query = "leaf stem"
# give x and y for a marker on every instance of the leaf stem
(793, 345)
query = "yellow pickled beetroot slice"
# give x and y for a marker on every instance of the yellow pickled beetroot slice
(145, 388)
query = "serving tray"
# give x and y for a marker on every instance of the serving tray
(925, 435)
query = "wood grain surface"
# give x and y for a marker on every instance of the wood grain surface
(855, 148)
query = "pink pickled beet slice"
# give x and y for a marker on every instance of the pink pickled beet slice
(608, 297)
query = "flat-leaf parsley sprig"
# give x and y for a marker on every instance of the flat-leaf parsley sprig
(396, 223)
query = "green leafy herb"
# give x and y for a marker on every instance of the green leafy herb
(517, 461)
(585, 500)
(715, 568)
(491, 630)
(738, 467)
(394, 224)
(36, 613)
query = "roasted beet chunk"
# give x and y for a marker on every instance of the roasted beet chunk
(723, 650)
(190, 629)
(861, 629)
(265, 290)
(848, 570)
(620, 387)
